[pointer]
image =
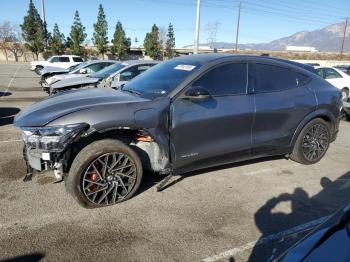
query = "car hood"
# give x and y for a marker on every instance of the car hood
(68, 76)
(53, 69)
(56, 106)
(72, 81)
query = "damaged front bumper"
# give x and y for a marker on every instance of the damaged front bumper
(46, 147)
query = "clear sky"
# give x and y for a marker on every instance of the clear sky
(261, 20)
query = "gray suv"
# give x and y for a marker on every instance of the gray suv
(184, 114)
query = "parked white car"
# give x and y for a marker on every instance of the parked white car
(63, 61)
(337, 78)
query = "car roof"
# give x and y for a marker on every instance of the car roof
(136, 62)
(102, 61)
(208, 58)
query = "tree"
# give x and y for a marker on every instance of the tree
(68, 42)
(77, 36)
(120, 43)
(5, 37)
(170, 42)
(57, 42)
(151, 43)
(100, 38)
(33, 31)
(10, 40)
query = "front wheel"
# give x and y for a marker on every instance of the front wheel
(104, 173)
(312, 143)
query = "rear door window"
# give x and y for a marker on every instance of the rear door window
(64, 59)
(271, 78)
(330, 73)
(228, 79)
(77, 59)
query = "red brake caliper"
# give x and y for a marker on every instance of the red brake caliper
(93, 177)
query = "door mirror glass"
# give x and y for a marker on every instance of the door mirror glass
(197, 93)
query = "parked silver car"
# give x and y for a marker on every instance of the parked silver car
(113, 76)
(84, 68)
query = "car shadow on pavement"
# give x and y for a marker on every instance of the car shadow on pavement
(304, 208)
(217, 168)
(34, 257)
(7, 115)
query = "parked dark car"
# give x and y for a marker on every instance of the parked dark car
(328, 242)
(184, 114)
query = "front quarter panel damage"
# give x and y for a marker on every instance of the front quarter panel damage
(146, 117)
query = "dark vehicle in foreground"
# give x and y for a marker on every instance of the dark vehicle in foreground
(328, 242)
(184, 114)
(119, 72)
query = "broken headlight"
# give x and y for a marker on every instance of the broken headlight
(51, 138)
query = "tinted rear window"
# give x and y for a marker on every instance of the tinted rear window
(77, 59)
(64, 59)
(272, 78)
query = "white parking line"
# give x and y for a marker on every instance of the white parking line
(264, 240)
(10, 141)
(11, 80)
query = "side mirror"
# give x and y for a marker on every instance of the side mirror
(197, 93)
(83, 71)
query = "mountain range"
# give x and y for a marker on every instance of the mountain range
(327, 39)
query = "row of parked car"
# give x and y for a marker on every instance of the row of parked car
(338, 76)
(60, 76)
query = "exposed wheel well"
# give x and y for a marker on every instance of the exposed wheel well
(151, 156)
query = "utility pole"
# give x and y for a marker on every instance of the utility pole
(237, 30)
(43, 11)
(344, 36)
(196, 37)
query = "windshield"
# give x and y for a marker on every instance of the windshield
(107, 71)
(161, 79)
(76, 68)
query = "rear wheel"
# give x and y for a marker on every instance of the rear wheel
(104, 173)
(312, 143)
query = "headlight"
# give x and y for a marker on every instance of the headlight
(52, 80)
(51, 138)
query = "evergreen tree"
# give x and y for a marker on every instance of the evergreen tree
(151, 43)
(68, 42)
(77, 36)
(57, 42)
(33, 31)
(120, 43)
(170, 42)
(100, 38)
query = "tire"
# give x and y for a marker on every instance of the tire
(305, 143)
(86, 184)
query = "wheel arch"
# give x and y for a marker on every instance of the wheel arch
(151, 153)
(321, 113)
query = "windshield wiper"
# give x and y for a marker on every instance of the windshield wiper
(131, 91)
